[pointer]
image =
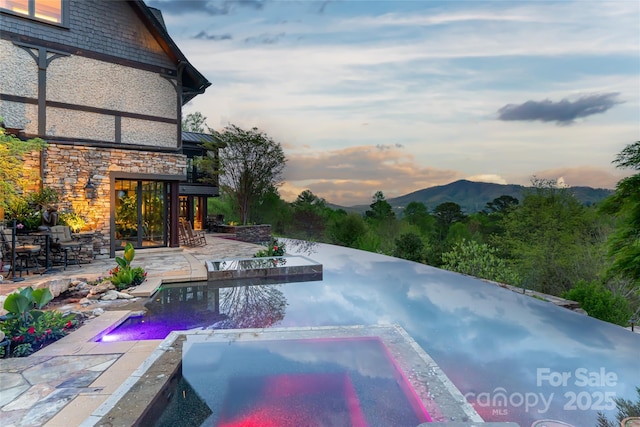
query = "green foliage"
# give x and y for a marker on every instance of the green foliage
(252, 164)
(416, 213)
(409, 246)
(43, 197)
(25, 304)
(275, 211)
(73, 220)
(600, 302)
(48, 327)
(123, 275)
(12, 173)
(624, 244)
(27, 210)
(194, 122)
(479, 260)
(309, 215)
(275, 248)
(381, 210)
(27, 326)
(543, 236)
(345, 230)
(126, 216)
(626, 409)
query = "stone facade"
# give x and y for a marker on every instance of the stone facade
(63, 175)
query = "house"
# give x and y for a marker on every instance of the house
(103, 83)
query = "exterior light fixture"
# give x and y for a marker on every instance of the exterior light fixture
(90, 190)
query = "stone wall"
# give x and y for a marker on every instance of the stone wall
(253, 233)
(68, 168)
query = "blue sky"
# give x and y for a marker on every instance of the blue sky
(402, 95)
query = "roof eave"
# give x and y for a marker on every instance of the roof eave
(193, 82)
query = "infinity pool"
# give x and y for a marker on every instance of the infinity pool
(515, 358)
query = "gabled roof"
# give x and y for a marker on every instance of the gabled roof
(193, 82)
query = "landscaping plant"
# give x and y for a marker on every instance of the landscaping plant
(123, 276)
(27, 326)
(275, 248)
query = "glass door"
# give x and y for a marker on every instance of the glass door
(140, 213)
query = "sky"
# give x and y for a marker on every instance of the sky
(397, 96)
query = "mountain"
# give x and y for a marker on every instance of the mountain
(473, 196)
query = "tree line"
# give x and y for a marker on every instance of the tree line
(548, 241)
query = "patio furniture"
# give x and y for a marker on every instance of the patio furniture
(197, 237)
(188, 237)
(64, 247)
(26, 255)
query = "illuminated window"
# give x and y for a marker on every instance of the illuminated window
(45, 10)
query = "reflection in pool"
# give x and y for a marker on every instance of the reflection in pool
(500, 348)
(310, 382)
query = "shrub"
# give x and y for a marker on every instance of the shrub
(27, 327)
(600, 302)
(479, 260)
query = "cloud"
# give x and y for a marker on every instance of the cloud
(203, 35)
(265, 38)
(487, 177)
(210, 7)
(350, 176)
(562, 112)
(588, 176)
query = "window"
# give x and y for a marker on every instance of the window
(45, 10)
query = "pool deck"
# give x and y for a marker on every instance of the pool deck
(64, 383)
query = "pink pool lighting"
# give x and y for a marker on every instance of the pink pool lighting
(296, 400)
(306, 381)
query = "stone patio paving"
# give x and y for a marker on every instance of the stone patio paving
(62, 384)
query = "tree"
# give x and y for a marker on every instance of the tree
(381, 210)
(446, 214)
(624, 244)
(345, 229)
(13, 177)
(626, 409)
(409, 246)
(543, 237)
(195, 122)
(309, 216)
(500, 205)
(416, 213)
(252, 164)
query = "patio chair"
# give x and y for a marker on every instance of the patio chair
(197, 238)
(26, 254)
(64, 247)
(182, 233)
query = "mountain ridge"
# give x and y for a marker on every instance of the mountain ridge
(473, 196)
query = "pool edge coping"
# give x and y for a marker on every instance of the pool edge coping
(167, 345)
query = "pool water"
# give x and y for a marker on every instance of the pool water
(500, 348)
(300, 383)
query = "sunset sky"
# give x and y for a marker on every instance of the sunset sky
(402, 95)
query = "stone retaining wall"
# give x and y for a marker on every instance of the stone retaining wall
(249, 233)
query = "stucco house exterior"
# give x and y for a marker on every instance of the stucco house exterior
(103, 83)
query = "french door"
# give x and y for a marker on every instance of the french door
(141, 212)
